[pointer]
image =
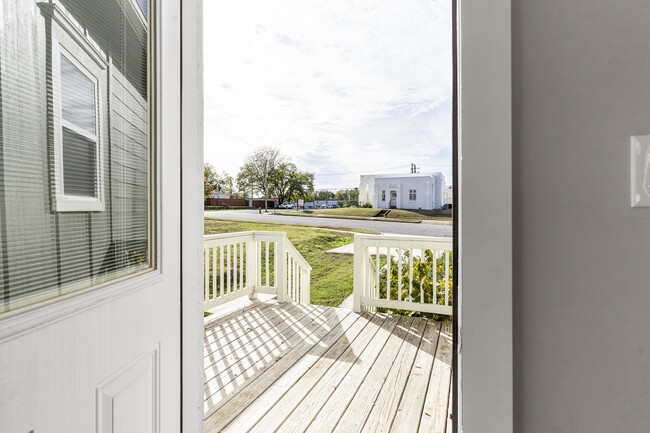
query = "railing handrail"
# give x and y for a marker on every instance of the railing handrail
(406, 241)
(254, 233)
(296, 254)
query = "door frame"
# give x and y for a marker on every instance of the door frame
(191, 164)
(483, 219)
(484, 245)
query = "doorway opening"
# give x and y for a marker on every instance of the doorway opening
(311, 276)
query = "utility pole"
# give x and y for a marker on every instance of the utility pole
(266, 187)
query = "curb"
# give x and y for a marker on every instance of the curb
(343, 217)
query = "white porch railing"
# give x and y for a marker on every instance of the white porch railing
(402, 273)
(247, 263)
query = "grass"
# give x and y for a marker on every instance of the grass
(394, 214)
(331, 275)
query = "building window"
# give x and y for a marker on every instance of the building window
(383, 195)
(78, 147)
(412, 195)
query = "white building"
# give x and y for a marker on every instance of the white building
(218, 194)
(449, 195)
(403, 191)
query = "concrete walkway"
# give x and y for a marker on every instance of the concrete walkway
(347, 303)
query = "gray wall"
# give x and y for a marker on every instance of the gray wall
(581, 88)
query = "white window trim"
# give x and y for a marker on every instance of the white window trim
(383, 195)
(414, 193)
(63, 202)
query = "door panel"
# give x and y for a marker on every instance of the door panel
(91, 342)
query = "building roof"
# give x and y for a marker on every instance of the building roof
(403, 175)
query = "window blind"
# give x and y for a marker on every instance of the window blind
(75, 154)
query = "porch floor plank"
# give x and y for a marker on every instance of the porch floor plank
(277, 325)
(289, 367)
(436, 410)
(243, 411)
(409, 412)
(220, 388)
(356, 413)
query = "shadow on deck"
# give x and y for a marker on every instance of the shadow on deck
(294, 368)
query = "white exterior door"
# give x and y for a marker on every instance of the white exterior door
(393, 199)
(96, 345)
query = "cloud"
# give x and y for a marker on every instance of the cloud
(347, 87)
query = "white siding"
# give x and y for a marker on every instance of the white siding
(429, 190)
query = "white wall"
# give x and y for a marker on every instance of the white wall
(581, 72)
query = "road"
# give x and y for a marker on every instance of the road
(421, 229)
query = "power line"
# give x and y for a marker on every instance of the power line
(382, 169)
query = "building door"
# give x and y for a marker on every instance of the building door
(393, 200)
(90, 311)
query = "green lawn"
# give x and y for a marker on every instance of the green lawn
(400, 214)
(331, 275)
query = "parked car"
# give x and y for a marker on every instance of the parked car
(286, 206)
(329, 206)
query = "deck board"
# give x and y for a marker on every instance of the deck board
(234, 377)
(363, 401)
(295, 368)
(410, 407)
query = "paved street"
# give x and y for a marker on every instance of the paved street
(422, 229)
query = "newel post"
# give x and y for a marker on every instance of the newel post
(359, 274)
(251, 267)
(281, 267)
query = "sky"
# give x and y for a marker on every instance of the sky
(143, 5)
(342, 87)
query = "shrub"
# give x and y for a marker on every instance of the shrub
(367, 204)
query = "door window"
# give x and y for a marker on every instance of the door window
(75, 154)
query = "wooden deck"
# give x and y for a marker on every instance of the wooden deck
(294, 368)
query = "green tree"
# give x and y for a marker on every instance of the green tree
(266, 170)
(256, 171)
(323, 195)
(209, 179)
(288, 182)
(349, 196)
(213, 182)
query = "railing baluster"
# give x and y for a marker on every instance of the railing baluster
(206, 271)
(422, 280)
(221, 285)
(266, 270)
(434, 277)
(214, 274)
(235, 273)
(241, 265)
(446, 277)
(258, 248)
(388, 264)
(377, 274)
(295, 280)
(228, 269)
(410, 297)
(399, 274)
